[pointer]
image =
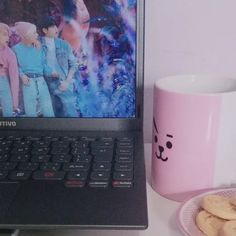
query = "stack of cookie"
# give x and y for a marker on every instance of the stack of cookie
(217, 216)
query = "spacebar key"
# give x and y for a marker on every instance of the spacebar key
(48, 175)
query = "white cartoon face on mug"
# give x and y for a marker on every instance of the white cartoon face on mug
(161, 147)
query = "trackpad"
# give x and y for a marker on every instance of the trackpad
(7, 195)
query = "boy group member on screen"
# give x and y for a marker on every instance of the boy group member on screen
(75, 24)
(61, 60)
(9, 76)
(32, 68)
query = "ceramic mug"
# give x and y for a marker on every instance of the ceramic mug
(194, 135)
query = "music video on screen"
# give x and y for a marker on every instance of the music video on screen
(68, 58)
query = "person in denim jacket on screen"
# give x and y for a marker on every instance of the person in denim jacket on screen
(32, 68)
(63, 63)
(9, 75)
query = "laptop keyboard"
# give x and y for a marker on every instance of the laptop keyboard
(77, 161)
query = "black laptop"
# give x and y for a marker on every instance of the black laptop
(71, 113)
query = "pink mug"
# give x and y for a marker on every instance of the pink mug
(194, 135)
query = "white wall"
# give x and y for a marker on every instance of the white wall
(186, 37)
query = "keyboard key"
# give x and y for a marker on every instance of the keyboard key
(60, 150)
(33, 138)
(102, 151)
(5, 143)
(68, 138)
(61, 158)
(20, 157)
(8, 165)
(25, 143)
(107, 139)
(60, 144)
(125, 145)
(98, 184)
(17, 150)
(77, 175)
(4, 150)
(50, 138)
(82, 158)
(124, 158)
(28, 166)
(76, 166)
(102, 166)
(122, 184)
(19, 175)
(41, 143)
(3, 174)
(74, 183)
(4, 157)
(86, 138)
(125, 139)
(40, 150)
(50, 166)
(100, 176)
(48, 175)
(123, 167)
(126, 151)
(102, 144)
(40, 158)
(80, 144)
(14, 138)
(82, 151)
(123, 176)
(103, 158)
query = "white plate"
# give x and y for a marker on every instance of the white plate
(188, 210)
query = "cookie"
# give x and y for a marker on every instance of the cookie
(228, 229)
(219, 206)
(208, 223)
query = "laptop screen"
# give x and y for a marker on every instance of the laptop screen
(68, 58)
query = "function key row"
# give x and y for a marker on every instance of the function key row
(43, 146)
(67, 138)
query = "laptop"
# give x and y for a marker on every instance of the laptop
(71, 113)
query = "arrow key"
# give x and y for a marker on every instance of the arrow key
(100, 176)
(123, 176)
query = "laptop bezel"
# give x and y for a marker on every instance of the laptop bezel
(95, 124)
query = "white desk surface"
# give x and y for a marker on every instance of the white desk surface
(161, 216)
